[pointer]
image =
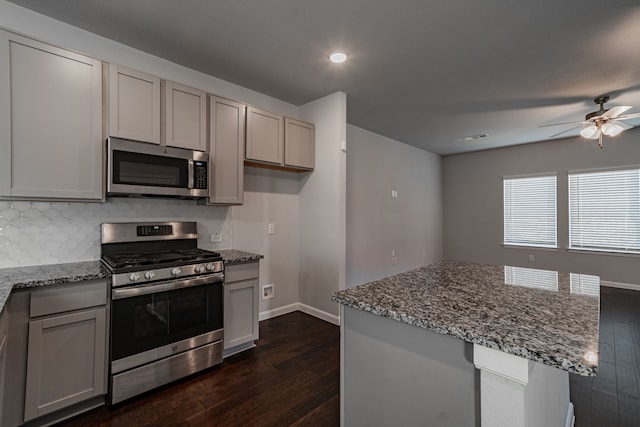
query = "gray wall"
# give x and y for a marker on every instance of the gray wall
(271, 197)
(473, 211)
(321, 223)
(410, 224)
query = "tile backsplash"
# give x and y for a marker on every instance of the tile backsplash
(33, 233)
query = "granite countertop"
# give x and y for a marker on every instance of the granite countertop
(233, 256)
(47, 275)
(531, 314)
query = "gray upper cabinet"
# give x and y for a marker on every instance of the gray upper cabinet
(184, 116)
(226, 148)
(145, 108)
(279, 142)
(50, 122)
(134, 104)
(265, 136)
(299, 144)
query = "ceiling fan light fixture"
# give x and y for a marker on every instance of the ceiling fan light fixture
(590, 132)
(611, 129)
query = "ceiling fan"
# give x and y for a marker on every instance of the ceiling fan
(605, 121)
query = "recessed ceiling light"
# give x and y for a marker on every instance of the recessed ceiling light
(472, 137)
(338, 56)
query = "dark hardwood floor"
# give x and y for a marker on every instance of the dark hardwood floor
(291, 378)
(612, 398)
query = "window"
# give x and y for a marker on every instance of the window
(604, 211)
(530, 211)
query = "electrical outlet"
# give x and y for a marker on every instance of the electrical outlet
(272, 229)
(268, 291)
(215, 237)
(532, 258)
(394, 260)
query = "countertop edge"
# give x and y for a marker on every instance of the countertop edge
(556, 362)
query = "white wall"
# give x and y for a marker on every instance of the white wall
(410, 224)
(322, 207)
(271, 197)
(474, 212)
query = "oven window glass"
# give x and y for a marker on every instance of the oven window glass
(146, 169)
(145, 322)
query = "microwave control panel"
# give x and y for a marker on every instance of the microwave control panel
(200, 175)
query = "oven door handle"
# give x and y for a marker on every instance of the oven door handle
(166, 286)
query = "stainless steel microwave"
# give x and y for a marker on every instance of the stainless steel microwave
(139, 168)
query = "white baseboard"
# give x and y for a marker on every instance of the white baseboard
(327, 317)
(297, 306)
(629, 286)
(264, 315)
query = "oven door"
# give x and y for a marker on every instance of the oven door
(154, 321)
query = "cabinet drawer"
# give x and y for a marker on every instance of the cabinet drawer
(73, 297)
(235, 273)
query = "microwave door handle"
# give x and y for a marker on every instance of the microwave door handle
(190, 182)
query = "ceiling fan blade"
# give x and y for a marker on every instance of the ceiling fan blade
(614, 112)
(564, 131)
(565, 123)
(623, 125)
(628, 116)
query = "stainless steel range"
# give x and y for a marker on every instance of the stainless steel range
(166, 305)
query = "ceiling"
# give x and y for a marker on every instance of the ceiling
(427, 73)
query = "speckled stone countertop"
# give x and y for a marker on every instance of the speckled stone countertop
(233, 256)
(47, 275)
(557, 326)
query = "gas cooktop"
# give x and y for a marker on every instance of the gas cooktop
(160, 259)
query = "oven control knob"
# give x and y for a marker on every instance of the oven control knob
(211, 266)
(134, 277)
(176, 271)
(149, 275)
(199, 268)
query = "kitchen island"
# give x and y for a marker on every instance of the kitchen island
(463, 344)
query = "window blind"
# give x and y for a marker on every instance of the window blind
(604, 211)
(530, 211)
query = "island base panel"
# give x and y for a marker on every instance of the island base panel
(397, 374)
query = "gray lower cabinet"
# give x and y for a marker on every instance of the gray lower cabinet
(57, 351)
(241, 303)
(65, 362)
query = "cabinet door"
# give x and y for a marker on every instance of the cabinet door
(50, 121)
(265, 136)
(299, 144)
(185, 115)
(226, 147)
(65, 361)
(240, 312)
(134, 104)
